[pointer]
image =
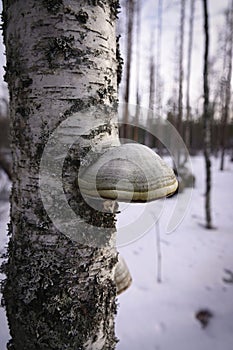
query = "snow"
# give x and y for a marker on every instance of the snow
(4, 214)
(161, 316)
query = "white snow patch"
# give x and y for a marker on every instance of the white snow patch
(161, 316)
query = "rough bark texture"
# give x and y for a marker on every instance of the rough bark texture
(61, 59)
(207, 120)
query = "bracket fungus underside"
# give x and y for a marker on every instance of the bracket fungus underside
(122, 276)
(130, 172)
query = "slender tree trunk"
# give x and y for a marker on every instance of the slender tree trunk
(150, 116)
(130, 21)
(138, 97)
(181, 71)
(158, 82)
(190, 45)
(61, 59)
(158, 58)
(207, 120)
(152, 81)
(227, 84)
(181, 75)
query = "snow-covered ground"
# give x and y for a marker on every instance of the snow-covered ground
(4, 215)
(161, 316)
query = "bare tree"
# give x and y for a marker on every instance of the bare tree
(179, 118)
(207, 120)
(226, 81)
(158, 58)
(181, 71)
(150, 116)
(138, 57)
(61, 60)
(130, 21)
(152, 76)
(190, 45)
(158, 79)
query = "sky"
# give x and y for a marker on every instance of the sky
(170, 45)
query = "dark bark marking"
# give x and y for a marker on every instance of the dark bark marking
(120, 61)
(53, 6)
(60, 46)
(81, 16)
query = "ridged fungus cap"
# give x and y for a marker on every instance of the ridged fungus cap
(129, 172)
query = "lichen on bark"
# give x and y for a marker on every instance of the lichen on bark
(58, 292)
(53, 6)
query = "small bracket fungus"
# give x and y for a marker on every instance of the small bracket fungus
(129, 172)
(122, 276)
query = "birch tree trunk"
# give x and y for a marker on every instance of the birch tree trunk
(190, 45)
(181, 70)
(150, 115)
(179, 125)
(227, 82)
(130, 22)
(207, 120)
(138, 59)
(61, 60)
(158, 83)
(158, 78)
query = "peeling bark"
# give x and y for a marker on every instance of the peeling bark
(59, 294)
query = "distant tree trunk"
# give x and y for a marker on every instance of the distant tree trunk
(158, 58)
(207, 120)
(227, 83)
(181, 71)
(158, 82)
(181, 75)
(149, 141)
(190, 45)
(130, 21)
(138, 97)
(152, 80)
(61, 59)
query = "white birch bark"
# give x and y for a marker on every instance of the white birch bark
(61, 59)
